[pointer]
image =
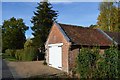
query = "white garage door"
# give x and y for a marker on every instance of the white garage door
(55, 55)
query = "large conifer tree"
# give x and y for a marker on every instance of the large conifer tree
(42, 21)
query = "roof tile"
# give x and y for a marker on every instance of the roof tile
(85, 36)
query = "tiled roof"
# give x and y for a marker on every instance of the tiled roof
(85, 36)
(115, 36)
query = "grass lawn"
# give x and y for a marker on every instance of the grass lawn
(8, 58)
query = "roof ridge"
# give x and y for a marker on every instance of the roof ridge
(70, 25)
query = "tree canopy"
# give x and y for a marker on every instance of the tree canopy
(42, 21)
(28, 43)
(92, 26)
(13, 34)
(108, 17)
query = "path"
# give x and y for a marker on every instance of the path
(6, 73)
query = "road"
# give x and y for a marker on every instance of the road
(5, 72)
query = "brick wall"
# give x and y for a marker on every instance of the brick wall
(73, 53)
(54, 37)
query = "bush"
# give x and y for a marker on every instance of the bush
(86, 62)
(29, 54)
(110, 63)
(91, 64)
(18, 54)
(10, 52)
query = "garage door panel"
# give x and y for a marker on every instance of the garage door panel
(55, 56)
(50, 56)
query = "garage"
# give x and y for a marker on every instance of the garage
(55, 55)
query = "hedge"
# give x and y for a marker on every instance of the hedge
(91, 64)
(27, 54)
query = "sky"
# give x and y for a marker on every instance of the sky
(76, 13)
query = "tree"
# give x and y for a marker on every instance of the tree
(28, 43)
(119, 18)
(42, 21)
(108, 17)
(13, 34)
(93, 26)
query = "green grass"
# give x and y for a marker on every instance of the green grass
(8, 58)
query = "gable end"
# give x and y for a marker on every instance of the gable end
(62, 31)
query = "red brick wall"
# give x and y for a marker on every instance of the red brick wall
(72, 58)
(56, 36)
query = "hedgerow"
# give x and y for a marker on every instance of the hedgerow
(92, 64)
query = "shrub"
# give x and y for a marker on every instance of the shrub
(29, 54)
(91, 64)
(18, 54)
(108, 65)
(10, 52)
(86, 62)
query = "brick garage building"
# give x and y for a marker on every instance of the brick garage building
(65, 41)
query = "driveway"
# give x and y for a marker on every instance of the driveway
(5, 72)
(33, 68)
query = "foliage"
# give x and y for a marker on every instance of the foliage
(86, 61)
(108, 68)
(108, 17)
(29, 54)
(9, 55)
(28, 43)
(92, 64)
(93, 26)
(42, 21)
(10, 52)
(13, 34)
(19, 53)
(9, 58)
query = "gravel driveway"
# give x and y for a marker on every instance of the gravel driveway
(33, 68)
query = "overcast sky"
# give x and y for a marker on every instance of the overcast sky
(76, 13)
